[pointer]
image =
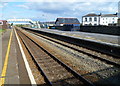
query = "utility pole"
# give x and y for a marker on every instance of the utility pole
(119, 13)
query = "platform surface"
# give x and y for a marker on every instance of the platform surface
(16, 72)
(113, 39)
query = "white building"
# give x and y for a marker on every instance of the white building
(90, 19)
(108, 19)
(102, 19)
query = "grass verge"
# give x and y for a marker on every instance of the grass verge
(2, 30)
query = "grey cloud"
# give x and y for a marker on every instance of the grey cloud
(67, 9)
(50, 7)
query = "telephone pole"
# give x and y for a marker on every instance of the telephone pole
(119, 13)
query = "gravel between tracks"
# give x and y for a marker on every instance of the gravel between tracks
(100, 55)
(62, 77)
(37, 75)
(83, 63)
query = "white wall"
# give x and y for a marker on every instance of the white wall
(92, 22)
(108, 20)
(100, 20)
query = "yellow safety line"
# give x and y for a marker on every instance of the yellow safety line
(2, 80)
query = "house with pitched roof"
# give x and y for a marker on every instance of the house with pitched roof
(3, 24)
(91, 20)
(99, 19)
(119, 13)
(108, 19)
(68, 23)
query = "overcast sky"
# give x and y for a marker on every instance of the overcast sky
(49, 10)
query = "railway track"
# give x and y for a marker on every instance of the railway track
(76, 48)
(55, 72)
(104, 48)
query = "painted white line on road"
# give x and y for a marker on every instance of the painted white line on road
(26, 62)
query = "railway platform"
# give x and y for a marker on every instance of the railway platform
(12, 66)
(112, 39)
(29, 58)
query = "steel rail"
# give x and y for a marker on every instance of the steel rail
(94, 56)
(81, 78)
(33, 58)
(105, 48)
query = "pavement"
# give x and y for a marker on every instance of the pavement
(12, 70)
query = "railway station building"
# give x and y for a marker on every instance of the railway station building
(70, 24)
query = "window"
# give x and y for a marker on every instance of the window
(90, 19)
(113, 22)
(95, 19)
(113, 18)
(85, 19)
(1, 23)
(95, 24)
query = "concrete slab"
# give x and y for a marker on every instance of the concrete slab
(12, 76)
(4, 43)
(16, 73)
(0, 53)
(24, 79)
